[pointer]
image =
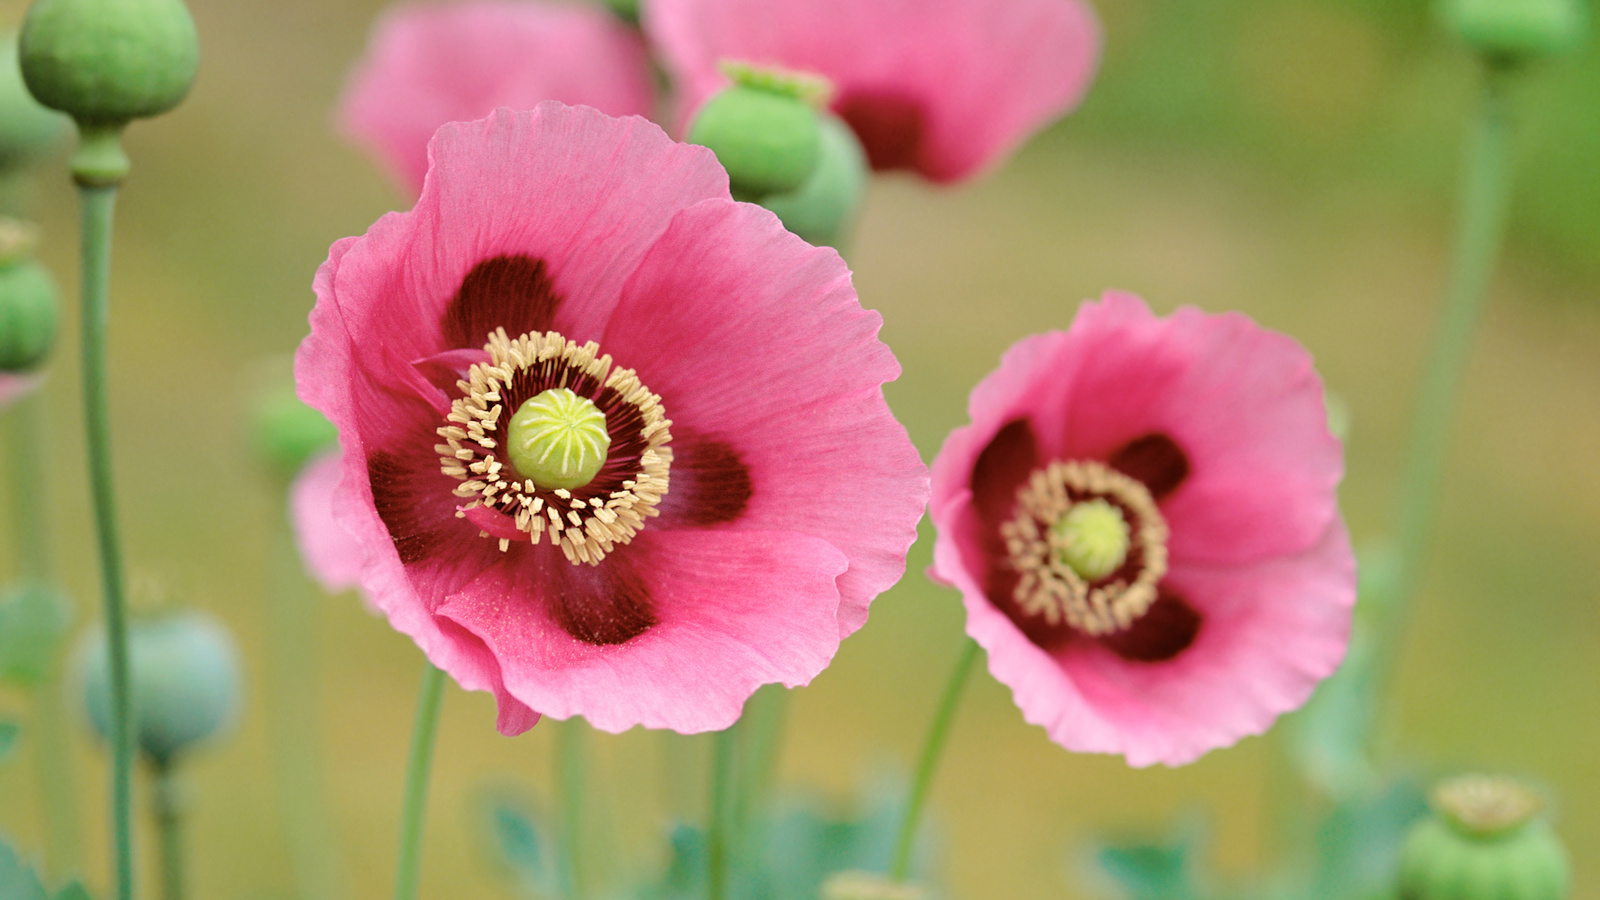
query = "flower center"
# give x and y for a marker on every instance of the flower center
(558, 439)
(1089, 544)
(583, 461)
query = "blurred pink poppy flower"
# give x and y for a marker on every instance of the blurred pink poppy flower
(14, 386)
(1142, 522)
(947, 88)
(756, 493)
(331, 554)
(431, 64)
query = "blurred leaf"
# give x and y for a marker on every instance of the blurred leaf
(1150, 871)
(9, 732)
(33, 619)
(73, 891)
(17, 879)
(1358, 844)
(515, 832)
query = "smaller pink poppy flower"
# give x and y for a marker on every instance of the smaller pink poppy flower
(1142, 522)
(613, 444)
(431, 64)
(14, 386)
(332, 555)
(947, 88)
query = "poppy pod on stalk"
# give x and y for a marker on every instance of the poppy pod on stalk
(946, 88)
(614, 445)
(1142, 521)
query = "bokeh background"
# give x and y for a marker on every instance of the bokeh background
(1293, 159)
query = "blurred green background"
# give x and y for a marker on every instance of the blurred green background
(1293, 159)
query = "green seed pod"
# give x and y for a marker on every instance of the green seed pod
(1518, 30)
(626, 10)
(1485, 841)
(825, 207)
(33, 619)
(764, 130)
(107, 62)
(27, 315)
(185, 674)
(288, 432)
(27, 130)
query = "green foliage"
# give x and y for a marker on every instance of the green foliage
(73, 890)
(516, 835)
(9, 733)
(1154, 870)
(17, 879)
(1358, 844)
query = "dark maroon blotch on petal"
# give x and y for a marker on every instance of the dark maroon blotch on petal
(413, 524)
(1002, 468)
(602, 605)
(510, 292)
(709, 485)
(1154, 459)
(1166, 629)
(889, 126)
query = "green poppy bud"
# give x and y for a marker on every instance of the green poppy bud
(764, 129)
(27, 314)
(1518, 30)
(825, 207)
(107, 62)
(33, 618)
(1484, 841)
(626, 10)
(288, 432)
(185, 675)
(27, 130)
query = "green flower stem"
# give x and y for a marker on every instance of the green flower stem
(56, 779)
(98, 204)
(932, 748)
(166, 802)
(1485, 198)
(417, 770)
(760, 740)
(718, 838)
(292, 705)
(572, 773)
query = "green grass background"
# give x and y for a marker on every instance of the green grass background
(1293, 159)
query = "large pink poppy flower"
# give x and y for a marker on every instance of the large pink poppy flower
(756, 493)
(944, 87)
(427, 65)
(1142, 521)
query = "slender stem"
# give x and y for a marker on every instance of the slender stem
(932, 748)
(1485, 198)
(292, 703)
(760, 739)
(416, 799)
(56, 779)
(718, 838)
(98, 205)
(572, 772)
(167, 804)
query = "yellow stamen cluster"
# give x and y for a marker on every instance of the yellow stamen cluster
(585, 528)
(1041, 550)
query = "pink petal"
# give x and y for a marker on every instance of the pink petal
(14, 386)
(570, 197)
(332, 555)
(945, 87)
(735, 611)
(431, 64)
(727, 319)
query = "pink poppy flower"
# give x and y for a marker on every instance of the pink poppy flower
(14, 386)
(1142, 522)
(751, 492)
(331, 554)
(427, 65)
(944, 87)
